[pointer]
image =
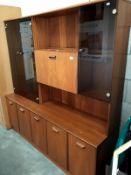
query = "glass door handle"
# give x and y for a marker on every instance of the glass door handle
(19, 53)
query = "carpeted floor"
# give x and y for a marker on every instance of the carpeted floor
(18, 157)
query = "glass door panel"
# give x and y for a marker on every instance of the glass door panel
(97, 24)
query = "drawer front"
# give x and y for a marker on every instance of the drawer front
(38, 128)
(57, 69)
(82, 157)
(13, 115)
(24, 122)
(57, 145)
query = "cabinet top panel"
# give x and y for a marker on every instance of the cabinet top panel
(60, 11)
(84, 126)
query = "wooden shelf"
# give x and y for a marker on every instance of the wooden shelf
(55, 49)
(84, 126)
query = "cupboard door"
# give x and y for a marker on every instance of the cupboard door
(82, 157)
(66, 71)
(57, 145)
(22, 57)
(96, 49)
(13, 115)
(24, 122)
(45, 67)
(57, 69)
(38, 128)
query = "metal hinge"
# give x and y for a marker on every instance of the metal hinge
(6, 26)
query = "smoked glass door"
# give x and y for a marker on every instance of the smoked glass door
(21, 50)
(97, 24)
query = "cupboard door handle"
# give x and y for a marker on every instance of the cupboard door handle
(10, 102)
(55, 129)
(21, 109)
(80, 145)
(36, 118)
(52, 57)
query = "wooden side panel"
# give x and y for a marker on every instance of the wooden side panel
(38, 128)
(12, 109)
(57, 145)
(24, 122)
(120, 53)
(82, 157)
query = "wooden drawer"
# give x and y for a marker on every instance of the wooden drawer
(57, 69)
(82, 157)
(38, 128)
(13, 115)
(57, 145)
(24, 122)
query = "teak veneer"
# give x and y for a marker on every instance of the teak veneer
(77, 123)
(73, 66)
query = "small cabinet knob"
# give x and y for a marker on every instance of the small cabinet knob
(19, 53)
(71, 58)
(37, 98)
(108, 94)
(108, 3)
(114, 11)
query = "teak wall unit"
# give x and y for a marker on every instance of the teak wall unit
(79, 58)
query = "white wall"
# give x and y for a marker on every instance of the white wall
(30, 7)
(126, 105)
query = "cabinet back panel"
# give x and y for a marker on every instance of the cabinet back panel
(40, 32)
(56, 31)
(69, 31)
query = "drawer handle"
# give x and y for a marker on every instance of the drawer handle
(52, 57)
(21, 109)
(55, 129)
(10, 102)
(36, 118)
(80, 145)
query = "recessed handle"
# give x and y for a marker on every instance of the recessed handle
(52, 57)
(80, 145)
(55, 129)
(10, 102)
(21, 109)
(36, 118)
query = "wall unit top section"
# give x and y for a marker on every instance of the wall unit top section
(56, 30)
